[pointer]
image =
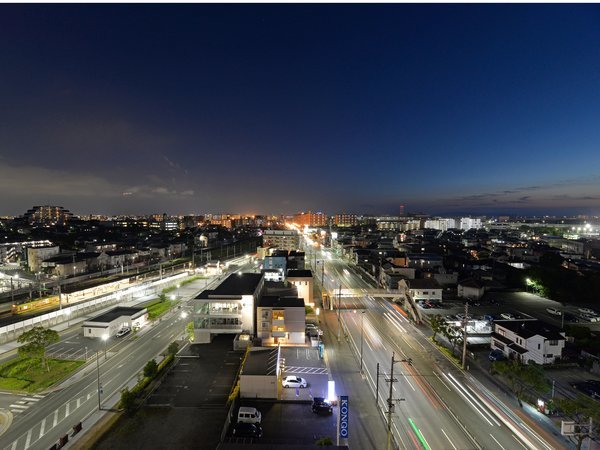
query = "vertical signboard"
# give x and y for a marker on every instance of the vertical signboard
(343, 417)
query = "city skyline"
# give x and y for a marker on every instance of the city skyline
(266, 109)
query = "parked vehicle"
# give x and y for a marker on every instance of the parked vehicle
(507, 316)
(123, 331)
(587, 311)
(292, 381)
(321, 406)
(489, 318)
(247, 414)
(590, 317)
(554, 311)
(247, 430)
(451, 318)
(461, 316)
(496, 355)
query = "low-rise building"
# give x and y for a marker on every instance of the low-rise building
(35, 256)
(281, 320)
(109, 323)
(528, 340)
(425, 289)
(229, 308)
(259, 378)
(303, 280)
(471, 288)
(283, 239)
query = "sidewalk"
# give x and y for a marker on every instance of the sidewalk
(366, 428)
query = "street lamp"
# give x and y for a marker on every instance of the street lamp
(99, 386)
(105, 338)
(362, 319)
(68, 314)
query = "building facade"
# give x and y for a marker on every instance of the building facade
(281, 320)
(281, 239)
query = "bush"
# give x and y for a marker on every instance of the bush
(150, 369)
(127, 402)
(165, 362)
(309, 309)
(324, 441)
(173, 348)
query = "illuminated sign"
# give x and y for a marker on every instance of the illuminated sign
(344, 416)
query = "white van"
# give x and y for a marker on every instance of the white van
(248, 414)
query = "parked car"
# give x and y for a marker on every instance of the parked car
(496, 355)
(489, 318)
(587, 311)
(123, 331)
(571, 317)
(554, 311)
(248, 414)
(590, 317)
(247, 430)
(321, 406)
(451, 318)
(507, 316)
(461, 316)
(292, 381)
(310, 326)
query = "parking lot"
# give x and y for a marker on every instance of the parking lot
(306, 363)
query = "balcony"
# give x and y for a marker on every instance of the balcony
(278, 334)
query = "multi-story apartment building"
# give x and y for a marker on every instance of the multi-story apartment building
(466, 223)
(442, 224)
(281, 239)
(281, 320)
(528, 340)
(48, 215)
(310, 219)
(229, 308)
(345, 220)
(35, 256)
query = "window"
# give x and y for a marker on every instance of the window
(539, 346)
(553, 342)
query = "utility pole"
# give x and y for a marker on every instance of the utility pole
(390, 402)
(464, 355)
(99, 387)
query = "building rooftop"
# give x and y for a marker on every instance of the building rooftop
(262, 361)
(299, 273)
(423, 283)
(529, 328)
(273, 301)
(114, 313)
(235, 284)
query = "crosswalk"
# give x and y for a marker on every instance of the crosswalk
(306, 370)
(24, 403)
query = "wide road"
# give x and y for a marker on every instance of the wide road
(437, 405)
(55, 414)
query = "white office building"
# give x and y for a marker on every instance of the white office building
(466, 223)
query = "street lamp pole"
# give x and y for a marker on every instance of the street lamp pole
(105, 338)
(339, 309)
(362, 319)
(99, 387)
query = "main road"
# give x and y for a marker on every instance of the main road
(436, 404)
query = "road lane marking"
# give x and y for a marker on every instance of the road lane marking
(442, 381)
(28, 439)
(55, 418)
(520, 443)
(67, 410)
(469, 401)
(451, 443)
(14, 445)
(42, 428)
(19, 406)
(500, 445)
(78, 402)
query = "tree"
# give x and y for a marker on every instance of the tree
(454, 337)
(36, 341)
(150, 369)
(437, 324)
(522, 376)
(189, 329)
(127, 401)
(173, 348)
(581, 410)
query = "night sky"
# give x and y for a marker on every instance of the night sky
(445, 108)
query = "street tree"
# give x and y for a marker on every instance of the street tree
(173, 348)
(189, 329)
(128, 401)
(437, 324)
(523, 376)
(150, 369)
(580, 410)
(454, 337)
(35, 343)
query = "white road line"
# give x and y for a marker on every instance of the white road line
(31, 399)
(28, 440)
(14, 446)
(78, 402)
(500, 445)
(55, 418)
(88, 396)
(442, 381)
(409, 383)
(42, 428)
(19, 406)
(451, 443)
(38, 396)
(67, 411)
(520, 443)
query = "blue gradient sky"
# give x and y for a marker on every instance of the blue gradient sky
(278, 108)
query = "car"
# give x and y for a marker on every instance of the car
(496, 355)
(507, 316)
(571, 317)
(123, 331)
(554, 311)
(587, 311)
(250, 430)
(248, 414)
(461, 316)
(489, 318)
(311, 325)
(450, 318)
(292, 381)
(321, 406)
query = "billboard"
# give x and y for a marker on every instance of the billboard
(343, 417)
